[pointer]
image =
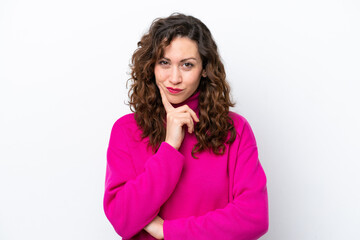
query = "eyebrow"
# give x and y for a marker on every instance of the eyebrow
(183, 60)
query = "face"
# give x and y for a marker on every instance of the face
(179, 71)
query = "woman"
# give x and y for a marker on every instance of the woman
(182, 166)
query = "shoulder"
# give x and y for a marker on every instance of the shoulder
(239, 121)
(127, 119)
(125, 129)
(242, 126)
(126, 123)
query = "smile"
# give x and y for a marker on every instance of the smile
(174, 90)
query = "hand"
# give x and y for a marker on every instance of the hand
(155, 228)
(176, 119)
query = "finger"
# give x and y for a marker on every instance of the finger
(194, 116)
(167, 105)
(190, 124)
(188, 121)
(186, 108)
(182, 118)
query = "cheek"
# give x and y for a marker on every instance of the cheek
(194, 79)
(159, 75)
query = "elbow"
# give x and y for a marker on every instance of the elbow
(118, 221)
(120, 225)
(262, 225)
(263, 216)
(123, 233)
(259, 225)
(256, 230)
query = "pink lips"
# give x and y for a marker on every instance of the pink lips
(174, 90)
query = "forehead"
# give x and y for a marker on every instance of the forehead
(182, 47)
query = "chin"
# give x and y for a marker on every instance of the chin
(176, 100)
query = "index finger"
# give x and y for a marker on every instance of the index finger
(167, 105)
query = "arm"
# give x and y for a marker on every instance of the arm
(132, 200)
(244, 218)
(176, 119)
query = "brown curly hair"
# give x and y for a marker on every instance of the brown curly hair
(215, 127)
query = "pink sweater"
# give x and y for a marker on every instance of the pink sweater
(212, 197)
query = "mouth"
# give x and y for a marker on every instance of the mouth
(174, 90)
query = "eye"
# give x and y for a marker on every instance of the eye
(163, 62)
(188, 65)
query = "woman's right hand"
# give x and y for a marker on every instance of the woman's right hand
(176, 120)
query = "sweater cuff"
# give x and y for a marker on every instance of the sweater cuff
(175, 229)
(166, 151)
(168, 230)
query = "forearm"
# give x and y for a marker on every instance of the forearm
(130, 204)
(244, 218)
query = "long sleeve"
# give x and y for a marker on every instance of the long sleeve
(132, 200)
(245, 217)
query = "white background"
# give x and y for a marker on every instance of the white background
(294, 71)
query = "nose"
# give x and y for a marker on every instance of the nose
(175, 77)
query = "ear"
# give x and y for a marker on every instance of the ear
(204, 73)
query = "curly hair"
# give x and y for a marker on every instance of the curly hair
(215, 127)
